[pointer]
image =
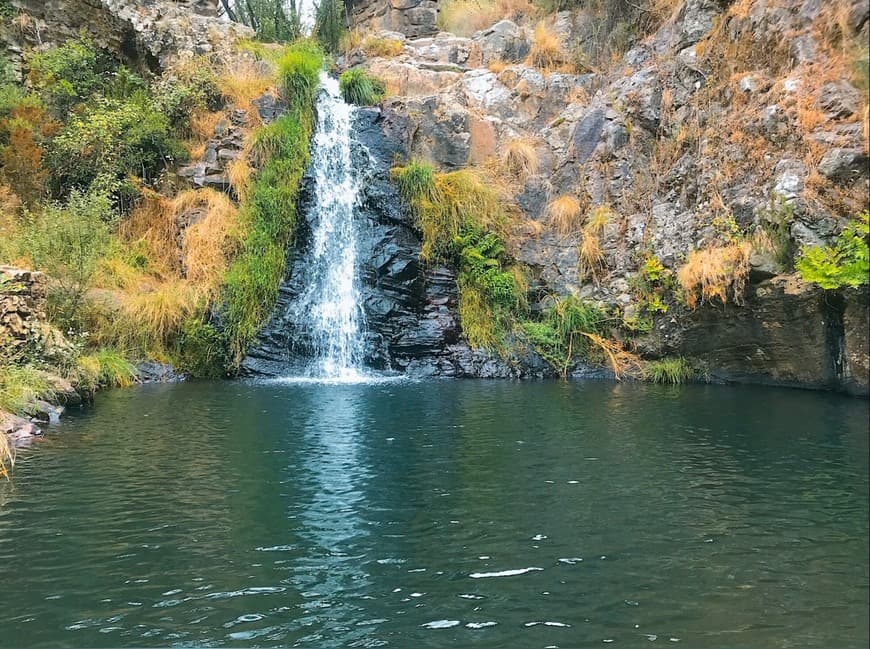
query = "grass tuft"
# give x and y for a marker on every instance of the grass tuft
(565, 214)
(669, 370)
(520, 159)
(715, 273)
(360, 88)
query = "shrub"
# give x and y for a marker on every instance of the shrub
(298, 74)
(20, 385)
(560, 336)
(846, 263)
(715, 273)
(68, 74)
(112, 139)
(188, 90)
(669, 370)
(361, 88)
(67, 242)
(452, 203)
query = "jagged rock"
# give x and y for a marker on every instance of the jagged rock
(154, 372)
(414, 18)
(44, 412)
(151, 34)
(844, 165)
(504, 41)
(839, 99)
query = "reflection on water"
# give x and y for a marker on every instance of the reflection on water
(440, 514)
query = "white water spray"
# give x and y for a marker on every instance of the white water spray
(329, 309)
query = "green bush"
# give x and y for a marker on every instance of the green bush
(846, 263)
(68, 74)
(299, 74)
(416, 182)
(360, 88)
(112, 139)
(67, 241)
(182, 93)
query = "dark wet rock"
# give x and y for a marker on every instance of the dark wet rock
(154, 372)
(44, 412)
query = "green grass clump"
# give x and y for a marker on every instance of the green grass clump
(561, 336)
(416, 183)
(670, 370)
(106, 367)
(21, 385)
(846, 263)
(281, 150)
(360, 88)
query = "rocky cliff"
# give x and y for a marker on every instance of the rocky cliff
(728, 121)
(148, 34)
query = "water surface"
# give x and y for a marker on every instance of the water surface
(442, 514)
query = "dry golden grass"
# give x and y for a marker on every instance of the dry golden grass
(244, 80)
(465, 17)
(590, 256)
(151, 319)
(621, 362)
(547, 52)
(497, 66)
(520, 158)
(565, 214)
(374, 45)
(153, 222)
(241, 175)
(598, 219)
(714, 273)
(203, 123)
(209, 243)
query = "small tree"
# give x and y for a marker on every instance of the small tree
(329, 23)
(273, 20)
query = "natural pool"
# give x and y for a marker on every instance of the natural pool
(442, 514)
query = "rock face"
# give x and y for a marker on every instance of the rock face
(729, 117)
(22, 311)
(410, 17)
(150, 34)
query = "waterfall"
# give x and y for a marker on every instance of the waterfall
(329, 308)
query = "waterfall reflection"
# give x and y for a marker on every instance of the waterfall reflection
(332, 577)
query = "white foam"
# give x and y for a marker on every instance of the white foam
(441, 624)
(503, 573)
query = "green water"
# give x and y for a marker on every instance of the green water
(442, 514)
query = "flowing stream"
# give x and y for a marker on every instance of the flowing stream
(329, 309)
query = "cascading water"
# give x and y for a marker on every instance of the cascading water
(329, 308)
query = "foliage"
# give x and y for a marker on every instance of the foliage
(273, 20)
(20, 385)
(68, 74)
(329, 24)
(360, 88)
(269, 217)
(112, 139)
(24, 130)
(669, 370)
(846, 263)
(67, 241)
(655, 290)
(560, 335)
(715, 273)
(451, 204)
(187, 90)
(107, 367)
